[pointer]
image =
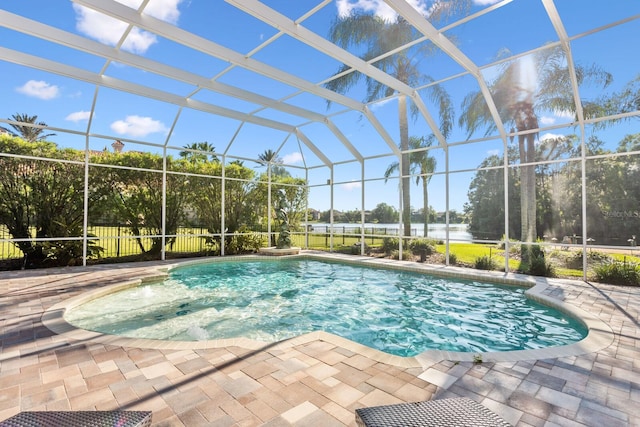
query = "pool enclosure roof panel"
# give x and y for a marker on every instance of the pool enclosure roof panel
(168, 73)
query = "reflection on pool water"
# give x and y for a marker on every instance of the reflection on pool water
(398, 312)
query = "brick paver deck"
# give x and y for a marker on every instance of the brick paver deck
(316, 380)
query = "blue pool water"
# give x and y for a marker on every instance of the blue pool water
(401, 313)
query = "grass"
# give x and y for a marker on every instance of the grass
(189, 242)
(627, 258)
(467, 253)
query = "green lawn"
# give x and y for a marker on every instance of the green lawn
(467, 253)
(189, 242)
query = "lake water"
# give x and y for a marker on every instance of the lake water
(458, 232)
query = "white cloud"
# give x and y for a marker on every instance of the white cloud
(493, 152)
(549, 120)
(109, 30)
(292, 159)
(485, 2)
(139, 41)
(377, 7)
(165, 10)
(78, 116)
(546, 120)
(547, 136)
(137, 126)
(381, 9)
(39, 89)
(350, 186)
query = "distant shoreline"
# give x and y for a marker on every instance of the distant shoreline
(456, 231)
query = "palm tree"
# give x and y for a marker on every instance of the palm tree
(422, 164)
(519, 105)
(376, 37)
(629, 98)
(272, 160)
(269, 156)
(203, 152)
(626, 100)
(30, 133)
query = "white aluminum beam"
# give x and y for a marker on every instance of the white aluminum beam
(382, 131)
(550, 7)
(302, 34)
(425, 27)
(53, 67)
(338, 133)
(126, 14)
(315, 150)
(282, 23)
(37, 29)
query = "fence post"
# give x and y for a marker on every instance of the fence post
(118, 244)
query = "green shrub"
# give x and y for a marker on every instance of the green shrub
(355, 248)
(69, 252)
(243, 243)
(485, 262)
(514, 245)
(534, 262)
(420, 246)
(574, 261)
(390, 244)
(453, 259)
(619, 273)
(539, 266)
(212, 245)
(406, 254)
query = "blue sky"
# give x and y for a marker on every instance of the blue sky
(146, 124)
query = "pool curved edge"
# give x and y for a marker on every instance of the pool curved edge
(599, 335)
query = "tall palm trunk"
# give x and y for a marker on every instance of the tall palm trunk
(425, 207)
(527, 195)
(527, 120)
(524, 189)
(531, 190)
(405, 167)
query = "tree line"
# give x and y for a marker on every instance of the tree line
(612, 196)
(42, 196)
(384, 213)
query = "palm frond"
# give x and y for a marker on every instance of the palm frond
(355, 29)
(446, 112)
(344, 82)
(475, 114)
(391, 169)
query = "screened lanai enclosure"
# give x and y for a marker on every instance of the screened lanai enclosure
(152, 129)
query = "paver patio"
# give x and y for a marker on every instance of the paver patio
(311, 381)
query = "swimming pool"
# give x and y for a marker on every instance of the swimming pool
(398, 312)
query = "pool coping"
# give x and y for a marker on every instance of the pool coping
(599, 335)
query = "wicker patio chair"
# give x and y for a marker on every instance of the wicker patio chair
(455, 412)
(79, 419)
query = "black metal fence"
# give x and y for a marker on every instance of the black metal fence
(117, 241)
